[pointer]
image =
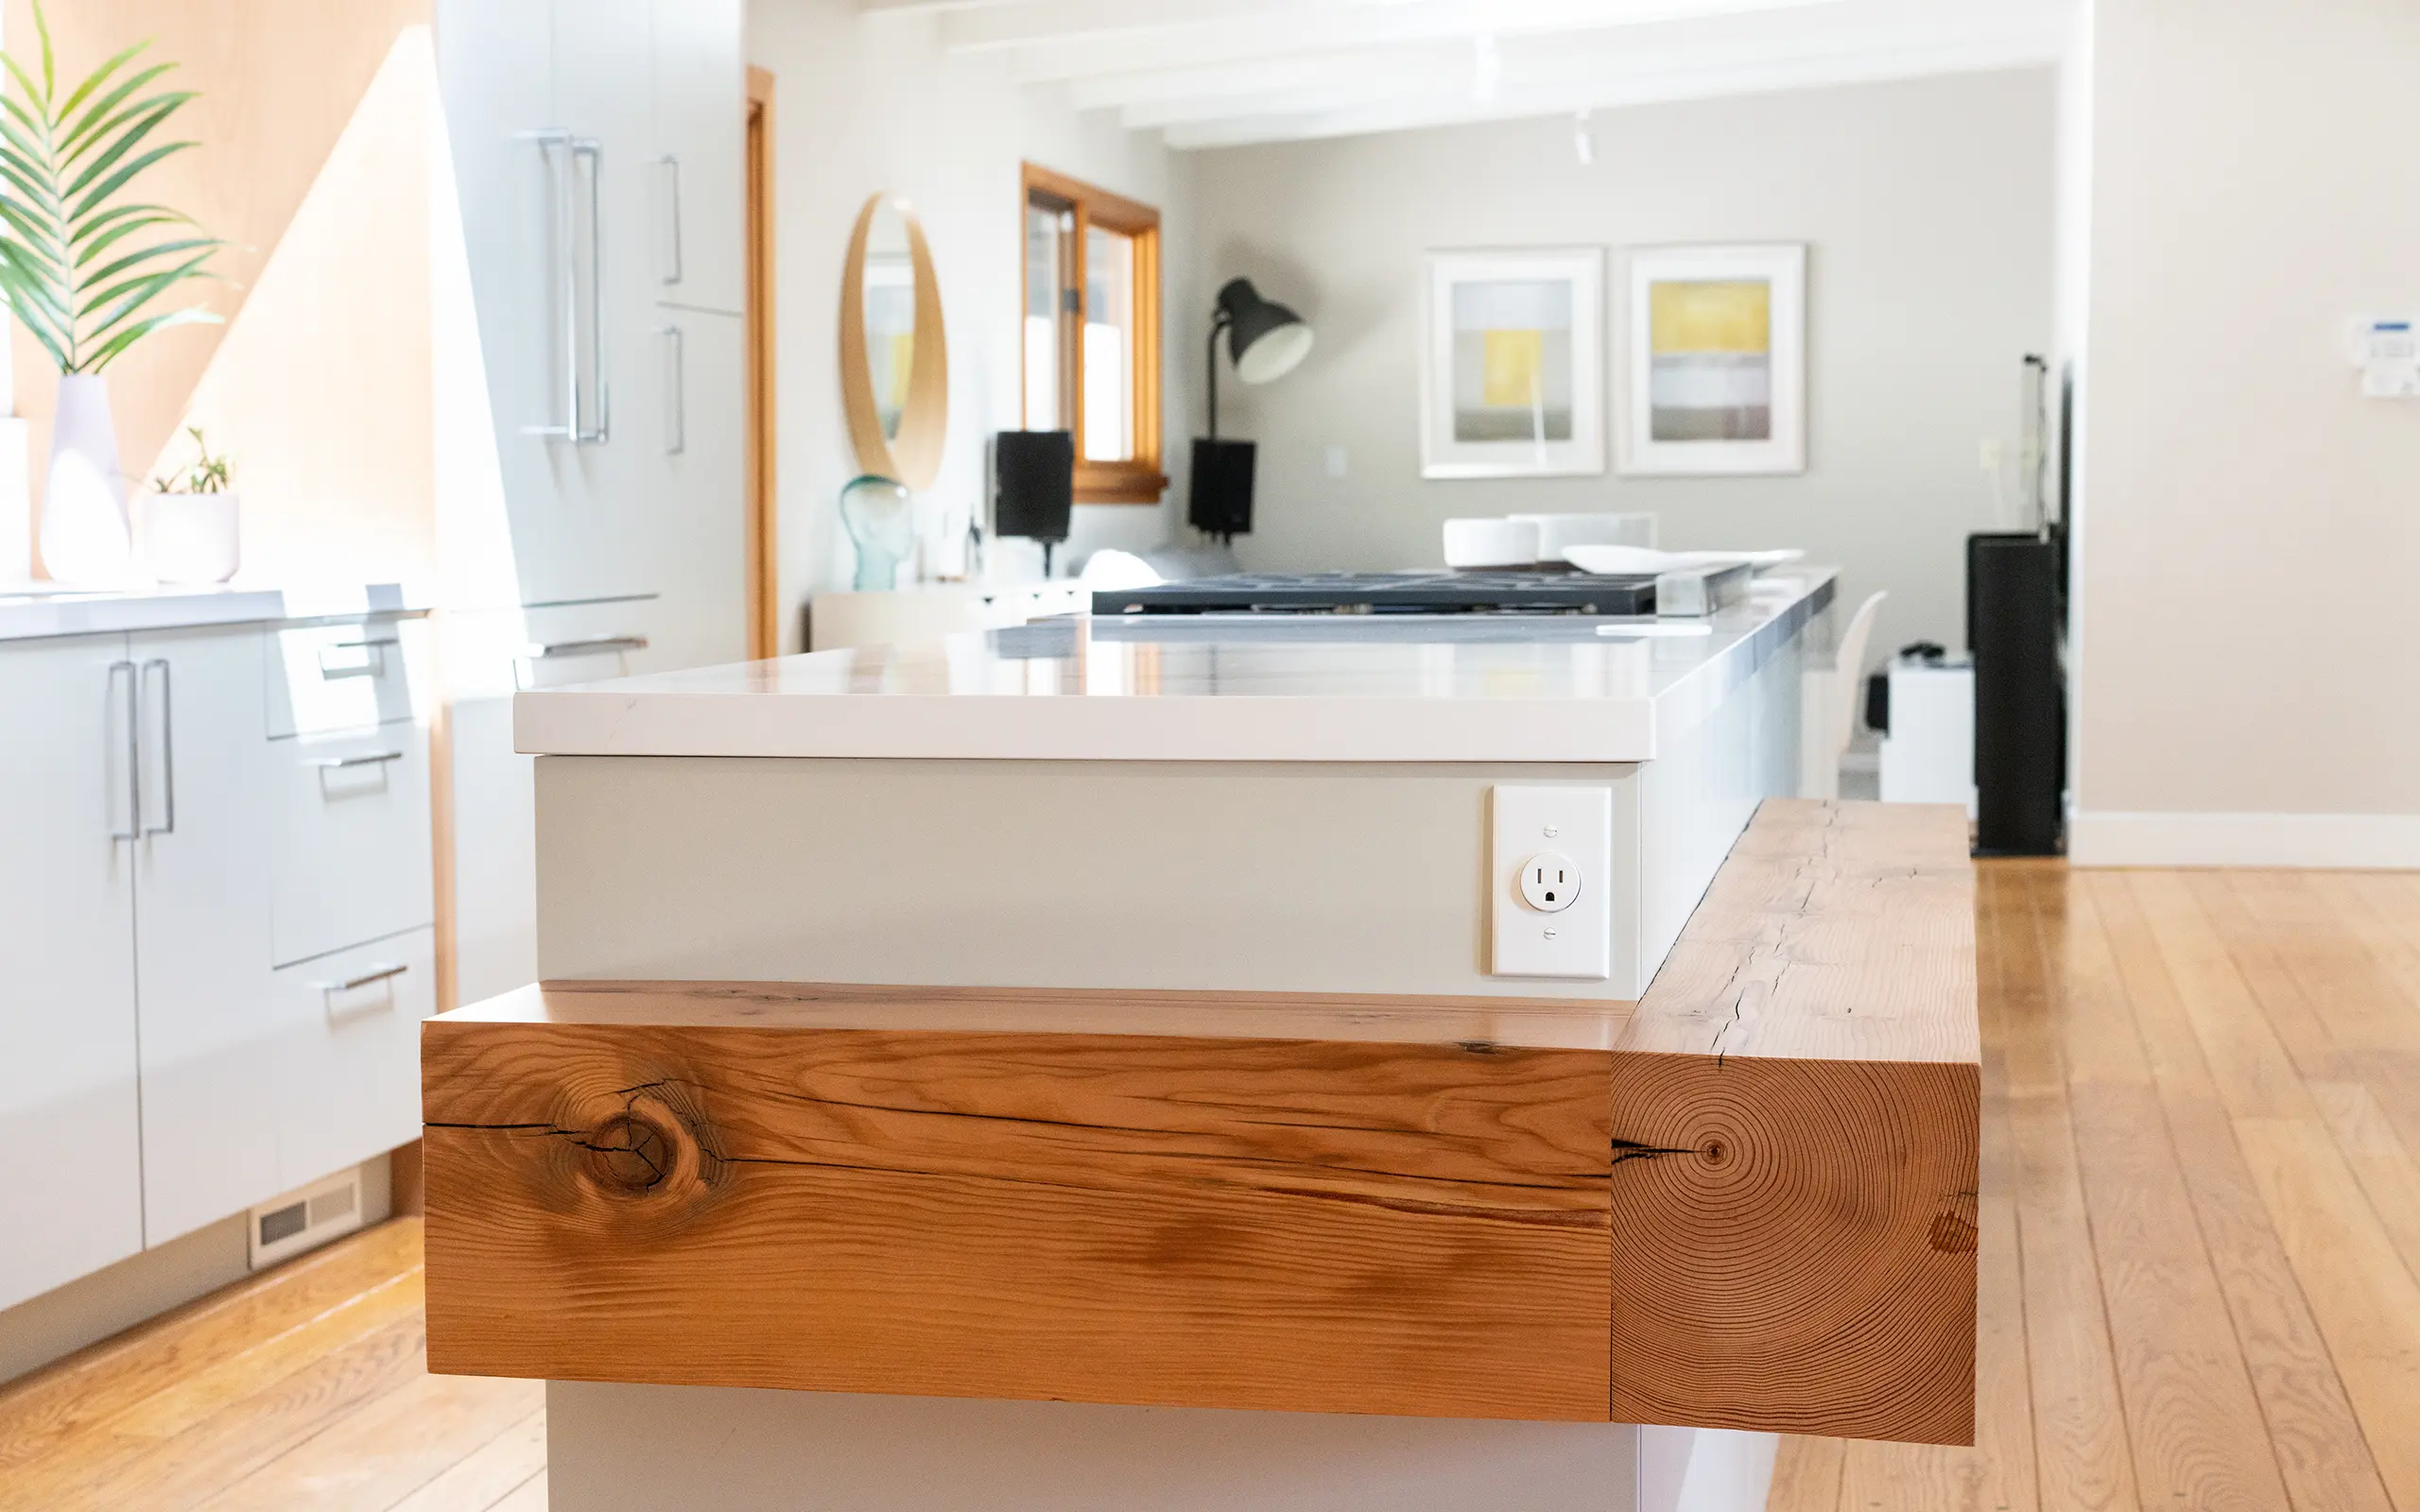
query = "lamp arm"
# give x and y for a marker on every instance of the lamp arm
(1218, 322)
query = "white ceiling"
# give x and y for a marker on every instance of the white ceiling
(1218, 72)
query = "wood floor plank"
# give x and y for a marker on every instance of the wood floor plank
(486, 1475)
(2347, 987)
(2190, 965)
(2319, 1444)
(181, 1471)
(2384, 1166)
(2315, 1052)
(193, 1397)
(2362, 1294)
(2080, 1454)
(383, 1453)
(43, 1412)
(2194, 1424)
(1807, 1475)
(530, 1496)
(2382, 911)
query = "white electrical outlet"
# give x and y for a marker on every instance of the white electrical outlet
(1549, 882)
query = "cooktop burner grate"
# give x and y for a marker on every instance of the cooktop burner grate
(1421, 592)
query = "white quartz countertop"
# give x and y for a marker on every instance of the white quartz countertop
(32, 611)
(1342, 688)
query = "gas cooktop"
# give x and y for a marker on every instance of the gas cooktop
(1418, 592)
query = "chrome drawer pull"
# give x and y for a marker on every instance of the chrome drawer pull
(375, 758)
(371, 665)
(595, 646)
(376, 973)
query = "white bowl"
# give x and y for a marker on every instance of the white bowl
(1497, 543)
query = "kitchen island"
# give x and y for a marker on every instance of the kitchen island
(1211, 1064)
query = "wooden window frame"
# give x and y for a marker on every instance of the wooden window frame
(1140, 479)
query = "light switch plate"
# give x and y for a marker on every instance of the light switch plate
(1574, 825)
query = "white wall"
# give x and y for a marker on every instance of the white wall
(1929, 208)
(2248, 692)
(868, 104)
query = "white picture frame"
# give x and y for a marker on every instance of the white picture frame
(1693, 410)
(1529, 320)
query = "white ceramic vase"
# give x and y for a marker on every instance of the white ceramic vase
(85, 535)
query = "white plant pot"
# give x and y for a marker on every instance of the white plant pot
(85, 537)
(190, 538)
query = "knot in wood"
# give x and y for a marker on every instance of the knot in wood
(628, 1154)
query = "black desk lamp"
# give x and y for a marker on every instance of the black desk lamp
(1265, 341)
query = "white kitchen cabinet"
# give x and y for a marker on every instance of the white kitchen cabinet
(490, 656)
(349, 1062)
(599, 152)
(697, 429)
(186, 813)
(202, 944)
(700, 91)
(68, 1097)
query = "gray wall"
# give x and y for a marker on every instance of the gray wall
(2254, 189)
(1927, 206)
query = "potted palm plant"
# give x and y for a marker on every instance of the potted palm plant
(83, 264)
(189, 527)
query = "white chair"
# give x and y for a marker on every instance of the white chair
(1827, 706)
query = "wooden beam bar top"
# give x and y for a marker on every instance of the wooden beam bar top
(1747, 1202)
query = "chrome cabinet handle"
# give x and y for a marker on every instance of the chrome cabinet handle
(375, 758)
(671, 246)
(376, 973)
(133, 830)
(584, 434)
(676, 398)
(328, 991)
(371, 665)
(594, 646)
(562, 418)
(167, 749)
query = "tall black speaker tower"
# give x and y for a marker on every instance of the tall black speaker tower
(2020, 698)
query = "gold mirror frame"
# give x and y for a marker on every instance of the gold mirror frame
(914, 456)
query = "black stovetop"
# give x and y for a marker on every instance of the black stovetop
(1417, 593)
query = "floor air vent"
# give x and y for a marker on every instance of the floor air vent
(306, 1219)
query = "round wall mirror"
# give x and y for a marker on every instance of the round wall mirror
(894, 359)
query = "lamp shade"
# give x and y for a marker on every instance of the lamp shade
(1265, 339)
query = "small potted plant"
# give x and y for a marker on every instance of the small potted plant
(189, 534)
(82, 266)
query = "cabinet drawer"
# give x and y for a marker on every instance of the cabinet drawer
(350, 840)
(325, 677)
(349, 1086)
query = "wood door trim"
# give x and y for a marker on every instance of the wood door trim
(764, 532)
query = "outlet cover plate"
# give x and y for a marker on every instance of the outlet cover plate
(1574, 943)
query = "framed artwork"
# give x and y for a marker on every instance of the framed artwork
(1714, 361)
(1513, 369)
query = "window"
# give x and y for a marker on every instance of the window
(1092, 333)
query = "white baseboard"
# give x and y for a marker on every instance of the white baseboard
(2377, 842)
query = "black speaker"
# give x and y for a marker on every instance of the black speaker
(1221, 504)
(1033, 484)
(2020, 697)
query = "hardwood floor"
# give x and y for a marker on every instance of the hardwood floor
(2199, 1247)
(2201, 1206)
(303, 1386)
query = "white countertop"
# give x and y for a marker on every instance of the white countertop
(34, 611)
(1342, 688)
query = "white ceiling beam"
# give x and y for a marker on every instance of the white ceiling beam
(1333, 27)
(1402, 114)
(909, 7)
(1546, 76)
(1041, 23)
